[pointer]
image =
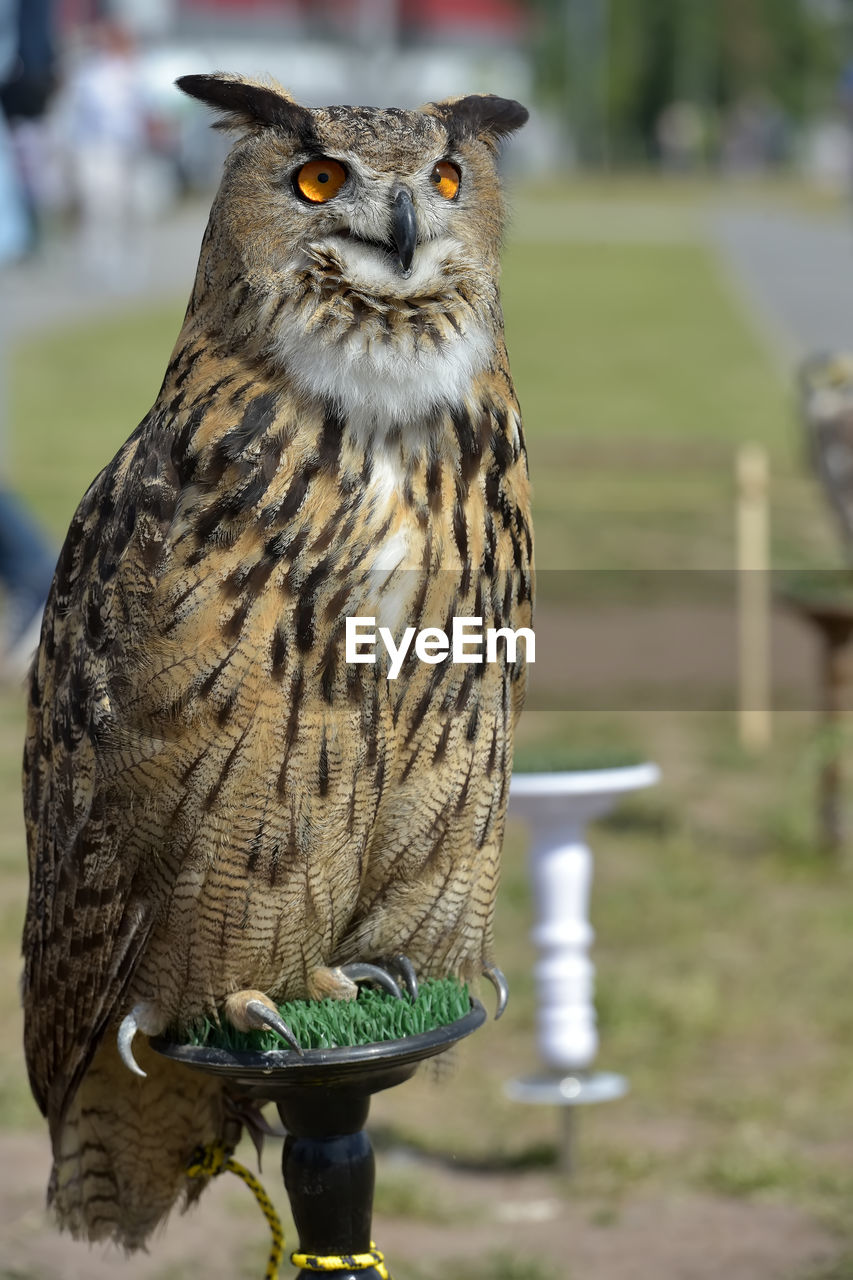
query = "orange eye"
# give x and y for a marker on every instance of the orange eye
(319, 180)
(446, 178)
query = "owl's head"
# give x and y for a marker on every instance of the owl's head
(389, 192)
(377, 219)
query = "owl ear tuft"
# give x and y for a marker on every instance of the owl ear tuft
(480, 115)
(246, 104)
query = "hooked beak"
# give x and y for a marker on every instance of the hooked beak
(404, 230)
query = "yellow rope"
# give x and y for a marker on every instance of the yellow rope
(342, 1261)
(207, 1162)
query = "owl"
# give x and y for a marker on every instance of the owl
(826, 402)
(224, 807)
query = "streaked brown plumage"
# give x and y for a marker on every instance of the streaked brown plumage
(216, 800)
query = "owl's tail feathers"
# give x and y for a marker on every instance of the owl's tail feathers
(121, 1154)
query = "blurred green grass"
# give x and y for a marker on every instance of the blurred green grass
(722, 941)
(77, 394)
(620, 343)
(637, 375)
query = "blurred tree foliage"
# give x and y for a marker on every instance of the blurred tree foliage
(610, 67)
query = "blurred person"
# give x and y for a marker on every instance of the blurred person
(757, 135)
(28, 83)
(14, 225)
(105, 123)
(26, 560)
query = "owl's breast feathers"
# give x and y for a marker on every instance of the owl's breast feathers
(200, 757)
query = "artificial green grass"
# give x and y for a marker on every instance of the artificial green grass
(372, 1018)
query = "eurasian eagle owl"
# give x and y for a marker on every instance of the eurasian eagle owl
(222, 811)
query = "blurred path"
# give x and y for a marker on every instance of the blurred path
(795, 270)
(53, 288)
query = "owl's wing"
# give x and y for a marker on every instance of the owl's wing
(84, 928)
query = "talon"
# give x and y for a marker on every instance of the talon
(253, 1011)
(361, 972)
(127, 1030)
(501, 986)
(406, 970)
(261, 1018)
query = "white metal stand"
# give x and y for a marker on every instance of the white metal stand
(558, 807)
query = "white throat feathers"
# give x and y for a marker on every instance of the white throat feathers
(370, 377)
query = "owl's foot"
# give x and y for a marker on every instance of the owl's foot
(341, 981)
(501, 986)
(254, 1011)
(249, 1116)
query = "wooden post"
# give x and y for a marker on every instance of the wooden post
(753, 577)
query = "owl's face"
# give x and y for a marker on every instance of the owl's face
(390, 201)
(367, 228)
(387, 201)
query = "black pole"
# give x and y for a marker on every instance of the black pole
(329, 1173)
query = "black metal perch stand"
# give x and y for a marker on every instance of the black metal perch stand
(323, 1099)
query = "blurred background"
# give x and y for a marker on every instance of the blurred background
(717, 87)
(680, 240)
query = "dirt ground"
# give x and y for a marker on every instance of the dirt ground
(486, 1221)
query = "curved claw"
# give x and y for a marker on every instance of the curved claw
(261, 1018)
(501, 986)
(406, 970)
(127, 1030)
(361, 972)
